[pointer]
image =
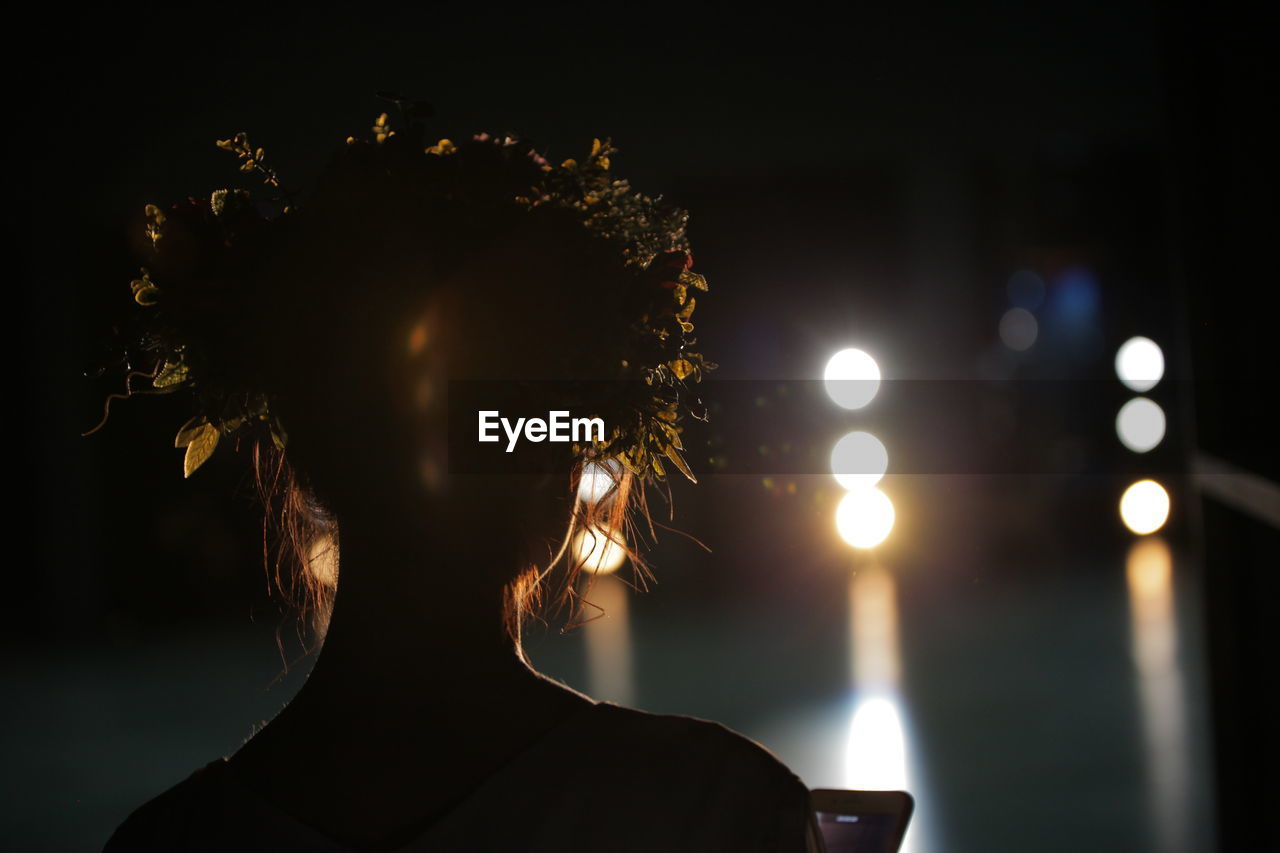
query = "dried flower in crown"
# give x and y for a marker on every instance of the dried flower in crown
(649, 236)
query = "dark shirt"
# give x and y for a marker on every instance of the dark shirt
(605, 778)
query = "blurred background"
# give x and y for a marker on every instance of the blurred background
(986, 205)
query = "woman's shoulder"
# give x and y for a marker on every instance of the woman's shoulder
(622, 779)
(169, 815)
(210, 811)
(689, 778)
(609, 777)
(667, 742)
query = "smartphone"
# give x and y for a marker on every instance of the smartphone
(862, 821)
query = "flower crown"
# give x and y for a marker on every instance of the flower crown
(230, 227)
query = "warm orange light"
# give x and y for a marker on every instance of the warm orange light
(418, 338)
(1162, 691)
(864, 517)
(1149, 570)
(423, 393)
(1144, 507)
(598, 552)
(873, 612)
(322, 561)
(608, 640)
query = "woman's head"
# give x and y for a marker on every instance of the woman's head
(340, 327)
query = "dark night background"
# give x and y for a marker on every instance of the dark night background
(856, 177)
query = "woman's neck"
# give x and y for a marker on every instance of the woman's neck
(418, 611)
(418, 695)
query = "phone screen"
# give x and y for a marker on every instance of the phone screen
(849, 833)
(862, 821)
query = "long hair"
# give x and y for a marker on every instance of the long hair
(301, 545)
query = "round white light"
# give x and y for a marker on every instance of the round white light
(1144, 507)
(859, 460)
(1140, 424)
(852, 378)
(1018, 329)
(865, 517)
(598, 552)
(1139, 363)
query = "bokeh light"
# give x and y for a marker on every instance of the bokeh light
(859, 460)
(1162, 690)
(1140, 424)
(598, 480)
(322, 561)
(1077, 296)
(865, 517)
(1018, 329)
(610, 651)
(599, 553)
(1149, 572)
(418, 337)
(876, 756)
(1144, 507)
(1140, 363)
(1026, 290)
(852, 378)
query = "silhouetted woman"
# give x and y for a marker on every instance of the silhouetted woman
(328, 335)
